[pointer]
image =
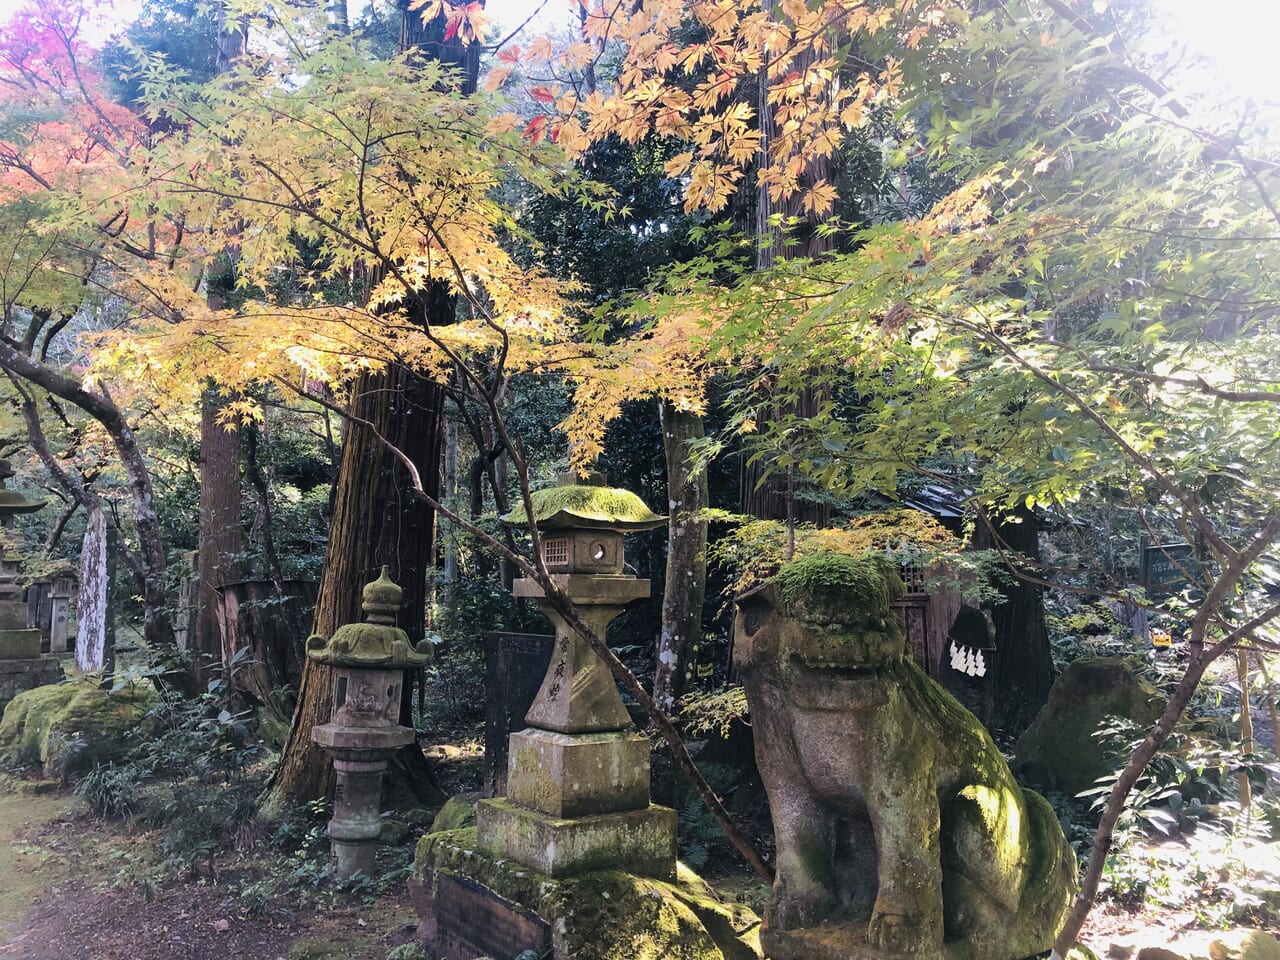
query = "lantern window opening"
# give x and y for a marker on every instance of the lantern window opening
(341, 696)
(555, 550)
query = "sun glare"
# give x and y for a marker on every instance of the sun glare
(1238, 38)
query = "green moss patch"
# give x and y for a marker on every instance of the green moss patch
(458, 812)
(585, 506)
(848, 587)
(605, 915)
(70, 727)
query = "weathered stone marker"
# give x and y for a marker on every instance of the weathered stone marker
(578, 776)
(368, 660)
(514, 666)
(901, 833)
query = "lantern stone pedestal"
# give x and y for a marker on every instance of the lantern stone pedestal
(578, 776)
(361, 756)
(368, 661)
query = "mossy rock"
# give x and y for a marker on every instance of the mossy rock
(1059, 751)
(605, 915)
(71, 727)
(458, 813)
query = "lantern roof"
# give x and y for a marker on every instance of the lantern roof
(586, 505)
(376, 644)
(11, 502)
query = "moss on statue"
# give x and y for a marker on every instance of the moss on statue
(861, 586)
(947, 857)
(69, 727)
(604, 915)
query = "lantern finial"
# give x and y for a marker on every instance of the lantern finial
(382, 598)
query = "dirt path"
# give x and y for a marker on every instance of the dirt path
(65, 891)
(26, 870)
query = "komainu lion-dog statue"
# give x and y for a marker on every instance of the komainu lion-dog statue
(900, 831)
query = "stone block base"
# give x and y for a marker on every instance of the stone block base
(27, 674)
(575, 775)
(638, 841)
(474, 904)
(19, 644)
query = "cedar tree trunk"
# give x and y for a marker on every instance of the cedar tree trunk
(222, 540)
(686, 582)
(1024, 662)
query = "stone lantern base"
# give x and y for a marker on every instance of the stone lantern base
(640, 842)
(572, 775)
(472, 903)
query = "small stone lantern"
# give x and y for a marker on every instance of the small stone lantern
(368, 660)
(578, 776)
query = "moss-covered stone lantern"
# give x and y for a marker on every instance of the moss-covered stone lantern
(22, 666)
(578, 776)
(368, 660)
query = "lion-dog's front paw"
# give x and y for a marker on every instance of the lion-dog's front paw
(791, 910)
(900, 933)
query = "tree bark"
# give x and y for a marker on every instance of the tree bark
(783, 230)
(222, 540)
(92, 649)
(377, 519)
(686, 580)
(91, 601)
(1024, 660)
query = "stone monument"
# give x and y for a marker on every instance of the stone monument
(901, 834)
(578, 776)
(575, 859)
(22, 667)
(368, 660)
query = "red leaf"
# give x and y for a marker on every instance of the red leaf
(541, 94)
(536, 129)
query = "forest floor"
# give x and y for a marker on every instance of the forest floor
(75, 885)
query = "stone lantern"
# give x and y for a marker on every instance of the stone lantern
(368, 660)
(22, 666)
(578, 776)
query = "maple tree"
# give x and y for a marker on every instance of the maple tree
(66, 163)
(1034, 334)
